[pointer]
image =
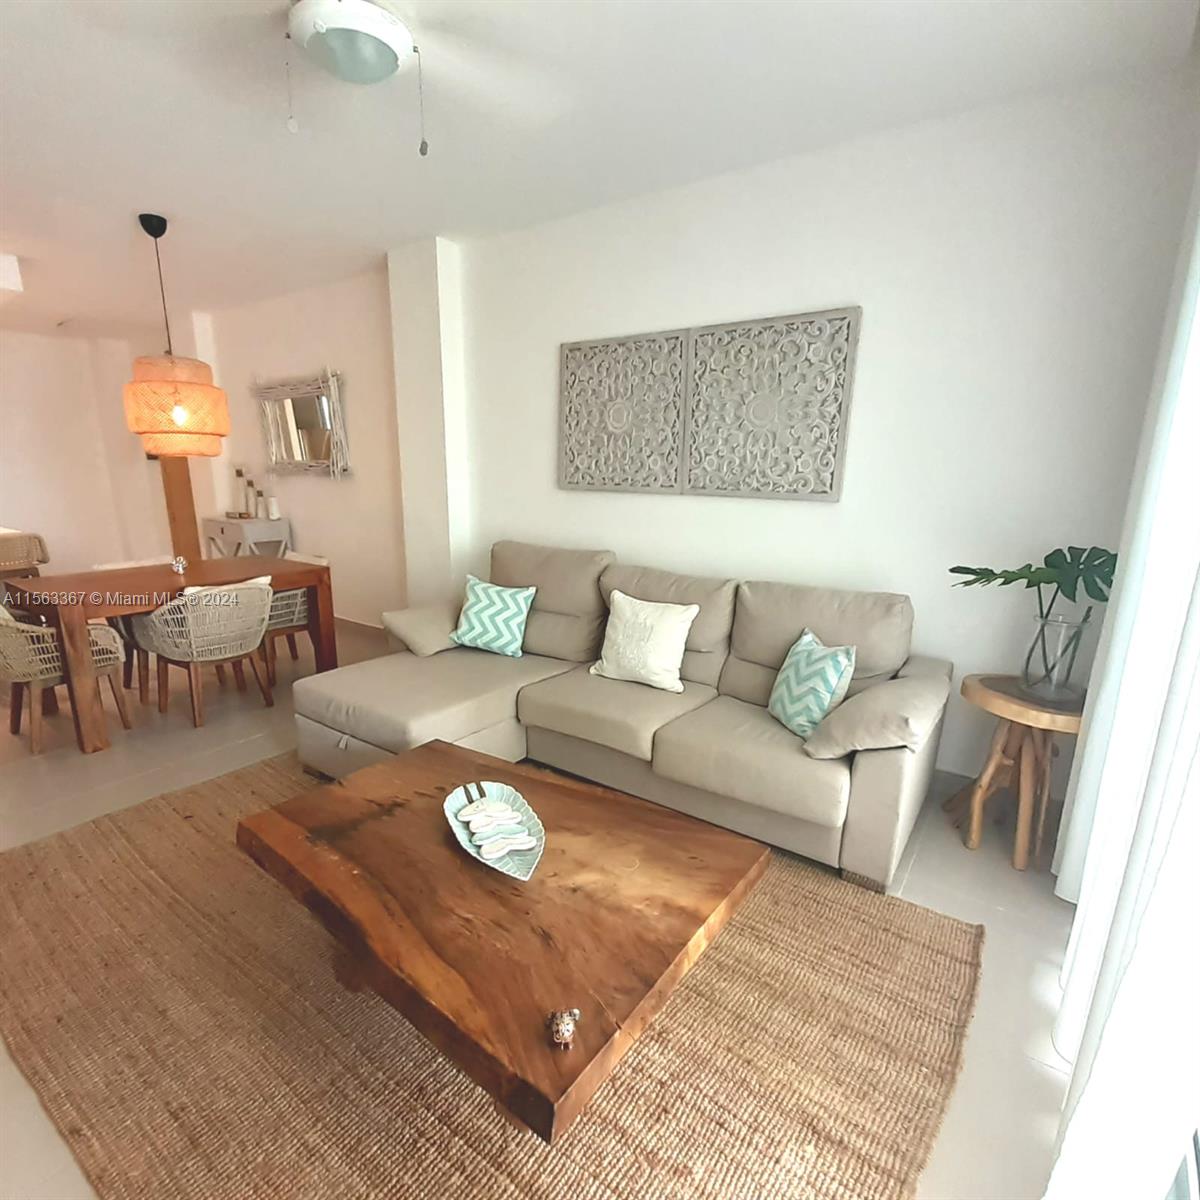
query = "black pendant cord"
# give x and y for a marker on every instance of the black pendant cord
(162, 292)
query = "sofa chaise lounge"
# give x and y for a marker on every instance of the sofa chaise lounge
(712, 750)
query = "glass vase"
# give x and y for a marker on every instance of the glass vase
(1051, 660)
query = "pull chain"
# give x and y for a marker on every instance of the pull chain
(293, 126)
(423, 148)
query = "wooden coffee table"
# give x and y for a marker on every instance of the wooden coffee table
(626, 898)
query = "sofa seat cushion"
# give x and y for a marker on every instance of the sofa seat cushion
(739, 750)
(609, 712)
(400, 701)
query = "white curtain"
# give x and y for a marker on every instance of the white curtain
(1130, 850)
(1131, 666)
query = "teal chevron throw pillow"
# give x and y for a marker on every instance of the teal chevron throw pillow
(811, 683)
(493, 617)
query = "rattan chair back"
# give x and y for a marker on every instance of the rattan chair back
(208, 625)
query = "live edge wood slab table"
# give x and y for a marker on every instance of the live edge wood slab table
(626, 898)
(68, 602)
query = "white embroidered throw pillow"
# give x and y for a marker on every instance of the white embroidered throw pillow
(644, 641)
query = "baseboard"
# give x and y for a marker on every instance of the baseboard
(946, 783)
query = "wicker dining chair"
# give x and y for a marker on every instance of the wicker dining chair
(20, 553)
(289, 616)
(138, 656)
(209, 626)
(31, 662)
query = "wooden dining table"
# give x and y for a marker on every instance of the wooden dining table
(69, 601)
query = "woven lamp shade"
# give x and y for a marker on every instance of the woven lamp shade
(172, 404)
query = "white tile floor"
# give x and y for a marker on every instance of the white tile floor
(995, 1142)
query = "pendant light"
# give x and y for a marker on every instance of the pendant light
(171, 402)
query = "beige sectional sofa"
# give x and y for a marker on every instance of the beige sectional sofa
(712, 750)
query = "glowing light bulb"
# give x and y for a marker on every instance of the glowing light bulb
(179, 415)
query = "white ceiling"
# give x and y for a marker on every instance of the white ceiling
(535, 109)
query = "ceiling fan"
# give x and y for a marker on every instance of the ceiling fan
(358, 41)
(368, 42)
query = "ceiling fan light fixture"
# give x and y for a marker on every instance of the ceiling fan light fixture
(356, 40)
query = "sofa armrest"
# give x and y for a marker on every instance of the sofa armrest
(926, 665)
(900, 712)
(887, 791)
(424, 630)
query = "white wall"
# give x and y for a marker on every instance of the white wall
(354, 521)
(69, 469)
(1012, 265)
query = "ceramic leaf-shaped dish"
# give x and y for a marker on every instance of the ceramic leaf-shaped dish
(520, 864)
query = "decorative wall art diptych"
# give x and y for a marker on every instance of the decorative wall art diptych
(752, 408)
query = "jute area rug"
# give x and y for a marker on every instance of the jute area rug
(176, 1012)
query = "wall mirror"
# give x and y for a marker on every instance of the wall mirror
(304, 425)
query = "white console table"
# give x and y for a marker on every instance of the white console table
(228, 537)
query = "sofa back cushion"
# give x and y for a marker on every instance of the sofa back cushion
(769, 617)
(568, 613)
(708, 638)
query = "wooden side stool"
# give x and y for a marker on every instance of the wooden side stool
(1020, 757)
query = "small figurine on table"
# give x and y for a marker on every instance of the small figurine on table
(562, 1024)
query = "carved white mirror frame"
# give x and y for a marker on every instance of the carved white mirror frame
(326, 389)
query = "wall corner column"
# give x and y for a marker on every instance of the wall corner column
(425, 293)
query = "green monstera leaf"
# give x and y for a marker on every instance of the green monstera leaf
(1091, 569)
(1029, 575)
(1067, 569)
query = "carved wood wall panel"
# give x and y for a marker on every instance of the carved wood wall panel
(751, 408)
(621, 407)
